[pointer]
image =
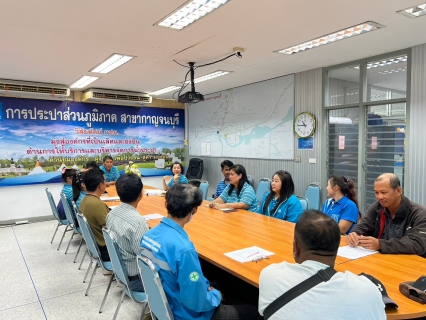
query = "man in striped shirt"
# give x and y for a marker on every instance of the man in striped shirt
(225, 165)
(128, 226)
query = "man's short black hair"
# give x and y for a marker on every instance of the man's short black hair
(181, 199)
(91, 165)
(93, 178)
(317, 232)
(129, 187)
(227, 163)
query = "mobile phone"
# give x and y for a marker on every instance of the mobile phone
(420, 283)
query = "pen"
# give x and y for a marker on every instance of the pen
(253, 254)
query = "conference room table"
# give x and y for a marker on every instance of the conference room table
(215, 233)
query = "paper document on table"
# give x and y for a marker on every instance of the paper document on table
(249, 254)
(110, 198)
(154, 192)
(153, 216)
(354, 252)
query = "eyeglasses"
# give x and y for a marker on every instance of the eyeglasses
(258, 258)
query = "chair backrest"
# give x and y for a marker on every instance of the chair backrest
(263, 187)
(195, 169)
(68, 212)
(313, 194)
(116, 258)
(52, 204)
(250, 180)
(195, 182)
(204, 188)
(304, 202)
(157, 299)
(89, 237)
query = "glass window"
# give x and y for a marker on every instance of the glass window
(387, 79)
(343, 86)
(342, 143)
(385, 145)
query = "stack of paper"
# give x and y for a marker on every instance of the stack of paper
(153, 216)
(249, 254)
(110, 198)
(354, 252)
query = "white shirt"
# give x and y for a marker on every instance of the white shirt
(344, 296)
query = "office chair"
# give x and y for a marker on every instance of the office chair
(304, 202)
(313, 194)
(72, 222)
(263, 187)
(56, 215)
(195, 169)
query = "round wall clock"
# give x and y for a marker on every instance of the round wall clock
(304, 124)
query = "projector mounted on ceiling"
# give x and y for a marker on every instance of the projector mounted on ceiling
(191, 96)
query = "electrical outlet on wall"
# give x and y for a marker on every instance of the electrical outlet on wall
(312, 160)
(297, 159)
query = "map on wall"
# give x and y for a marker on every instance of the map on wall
(253, 121)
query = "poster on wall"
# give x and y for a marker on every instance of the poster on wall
(253, 121)
(39, 137)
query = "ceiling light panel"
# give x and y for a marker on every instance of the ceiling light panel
(83, 82)
(414, 12)
(112, 63)
(210, 76)
(161, 91)
(385, 62)
(333, 37)
(189, 13)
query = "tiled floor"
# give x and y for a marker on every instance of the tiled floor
(39, 282)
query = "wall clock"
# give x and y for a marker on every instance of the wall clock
(304, 124)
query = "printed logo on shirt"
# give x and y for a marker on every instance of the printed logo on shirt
(194, 276)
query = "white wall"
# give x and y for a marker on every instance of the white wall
(30, 202)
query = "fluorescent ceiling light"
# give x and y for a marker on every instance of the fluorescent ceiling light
(385, 62)
(83, 81)
(393, 70)
(111, 63)
(161, 91)
(333, 37)
(414, 12)
(190, 12)
(210, 76)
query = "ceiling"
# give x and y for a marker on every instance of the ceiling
(60, 41)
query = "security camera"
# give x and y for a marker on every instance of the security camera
(239, 54)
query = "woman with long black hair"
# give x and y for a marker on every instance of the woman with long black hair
(281, 203)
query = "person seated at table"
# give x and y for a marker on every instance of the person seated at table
(342, 204)
(67, 176)
(128, 226)
(93, 209)
(315, 244)
(78, 184)
(225, 166)
(393, 224)
(178, 177)
(188, 292)
(281, 203)
(111, 171)
(238, 194)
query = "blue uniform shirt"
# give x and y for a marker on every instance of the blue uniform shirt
(246, 196)
(111, 175)
(220, 187)
(289, 210)
(182, 179)
(82, 195)
(343, 209)
(177, 263)
(67, 191)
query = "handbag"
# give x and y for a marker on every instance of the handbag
(322, 275)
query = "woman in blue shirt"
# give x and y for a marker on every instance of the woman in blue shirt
(178, 177)
(342, 204)
(238, 194)
(67, 190)
(281, 203)
(111, 171)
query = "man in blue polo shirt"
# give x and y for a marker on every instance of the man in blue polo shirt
(168, 246)
(225, 166)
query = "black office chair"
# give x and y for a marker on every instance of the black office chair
(195, 169)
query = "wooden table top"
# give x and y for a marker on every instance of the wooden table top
(214, 233)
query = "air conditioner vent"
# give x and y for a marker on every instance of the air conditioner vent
(116, 97)
(19, 89)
